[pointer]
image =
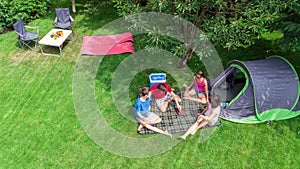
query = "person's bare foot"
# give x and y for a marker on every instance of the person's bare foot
(140, 127)
(181, 138)
(168, 134)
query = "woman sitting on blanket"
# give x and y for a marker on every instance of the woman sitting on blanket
(200, 88)
(143, 114)
(209, 116)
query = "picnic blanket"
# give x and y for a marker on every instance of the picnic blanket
(172, 121)
(108, 44)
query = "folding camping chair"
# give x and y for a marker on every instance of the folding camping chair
(63, 18)
(25, 37)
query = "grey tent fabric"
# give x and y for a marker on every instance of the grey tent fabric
(274, 84)
(63, 18)
(24, 36)
(270, 91)
(297, 107)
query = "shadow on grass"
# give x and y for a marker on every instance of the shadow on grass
(95, 15)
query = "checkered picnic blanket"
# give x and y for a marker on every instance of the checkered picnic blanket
(171, 120)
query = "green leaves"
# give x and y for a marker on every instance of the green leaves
(289, 25)
(230, 24)
(16, 9)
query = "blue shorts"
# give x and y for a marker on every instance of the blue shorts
(199, 92)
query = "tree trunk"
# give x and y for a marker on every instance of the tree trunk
(181, 63)
(185, 58)
(73, 6)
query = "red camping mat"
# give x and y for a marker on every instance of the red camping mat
(107, 45)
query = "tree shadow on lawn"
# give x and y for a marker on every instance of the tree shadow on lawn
(95, 16)
(260, 50)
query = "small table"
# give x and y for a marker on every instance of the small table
(50, 40)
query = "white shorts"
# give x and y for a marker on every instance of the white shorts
(162, 101)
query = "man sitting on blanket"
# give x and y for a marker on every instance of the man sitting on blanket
(163, 95)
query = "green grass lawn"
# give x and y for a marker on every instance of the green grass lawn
(40, 128)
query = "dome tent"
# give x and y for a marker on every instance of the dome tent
(259, 90)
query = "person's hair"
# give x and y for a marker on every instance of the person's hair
(215, 101)
(143, 91)
(200, 73)
(162, 87)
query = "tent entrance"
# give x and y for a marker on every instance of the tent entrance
(229, 84)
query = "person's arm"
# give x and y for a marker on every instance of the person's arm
(177, 102)
(203, 111)
(206, 90)
(191, 85)
(169, 89)
(150, 93)
(175, 96)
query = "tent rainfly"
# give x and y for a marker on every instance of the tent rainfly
(258, 91)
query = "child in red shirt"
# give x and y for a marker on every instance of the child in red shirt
(163, 95)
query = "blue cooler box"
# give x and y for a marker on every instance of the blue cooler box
(157, 78)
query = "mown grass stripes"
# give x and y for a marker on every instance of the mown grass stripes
(40, 128)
